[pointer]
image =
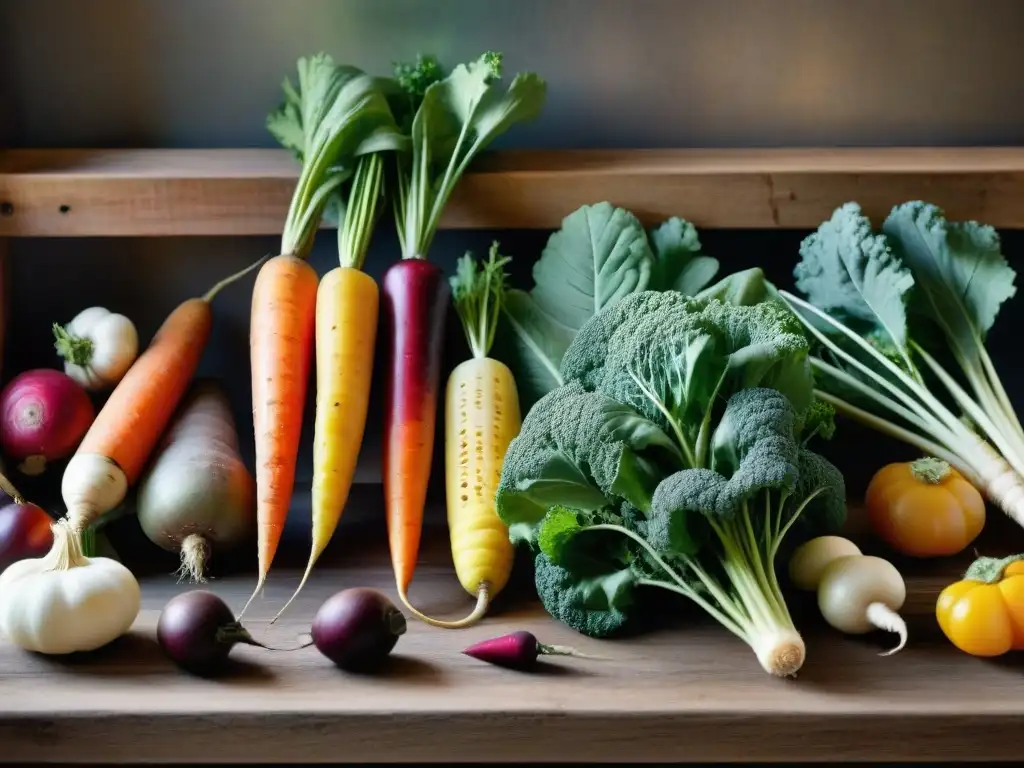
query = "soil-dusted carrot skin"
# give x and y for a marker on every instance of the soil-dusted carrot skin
(416, 297)
(281, 345)
(346, 331)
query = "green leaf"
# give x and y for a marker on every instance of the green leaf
(333, 115)
(599, 255)
(558, 528)
(962, 277)
(535, 344)
(457, 119)
(557, 480)
(853, 274)
(744, 288)
(679, 264)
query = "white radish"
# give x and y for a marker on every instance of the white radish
(856, 593)
(811, 559)
(98, 347)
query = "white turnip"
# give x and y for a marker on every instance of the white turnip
(44, 414)
(98, 347)
(198, 496)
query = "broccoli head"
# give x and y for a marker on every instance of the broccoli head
(583, 450)
(667, 356)
(594, 605)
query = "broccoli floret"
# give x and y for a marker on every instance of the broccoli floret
(581, 449)
(584, 360)
(592, 606)
(667, 356)
(826, 512)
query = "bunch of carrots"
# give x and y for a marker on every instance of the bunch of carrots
(425, 127)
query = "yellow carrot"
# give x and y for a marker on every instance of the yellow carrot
(481, 419)
(346, 331)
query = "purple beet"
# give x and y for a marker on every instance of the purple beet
(518, 650)
(357, 628)
(197, 631)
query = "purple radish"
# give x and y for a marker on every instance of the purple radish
(197, 631)
(518, 650)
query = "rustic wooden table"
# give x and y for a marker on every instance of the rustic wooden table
(690, 692)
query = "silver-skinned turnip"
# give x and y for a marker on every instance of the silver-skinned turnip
(197, 496)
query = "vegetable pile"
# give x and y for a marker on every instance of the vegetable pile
(632, 425)
(674, 456)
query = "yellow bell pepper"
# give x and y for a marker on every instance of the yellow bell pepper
(983, 614)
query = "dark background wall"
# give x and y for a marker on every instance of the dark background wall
(636, 73)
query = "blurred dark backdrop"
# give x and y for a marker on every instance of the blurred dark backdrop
(643, 73)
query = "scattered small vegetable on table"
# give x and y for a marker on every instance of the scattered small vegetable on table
(357, 629)
(856, 593)
(197, 631)
(983, 613)
(924, 508)
(519, 650)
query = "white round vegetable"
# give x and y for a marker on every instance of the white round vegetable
(860, 593)
(57, 605)
(98, 347)
(811, 558)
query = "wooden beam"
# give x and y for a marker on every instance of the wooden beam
(246, 191)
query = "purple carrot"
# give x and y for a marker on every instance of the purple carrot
(518, 650)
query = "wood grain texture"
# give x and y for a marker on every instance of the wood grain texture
(246, 191)
(682, 693)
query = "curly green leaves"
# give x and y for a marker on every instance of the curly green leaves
(582, 450)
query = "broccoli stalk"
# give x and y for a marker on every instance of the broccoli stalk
(749, 603)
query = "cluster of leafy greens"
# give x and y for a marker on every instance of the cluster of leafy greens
(674, 456)
(893, 312)
(334, 116)
(455, 117)
(600, 254)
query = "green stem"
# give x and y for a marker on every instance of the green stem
(356, 227)
(923, 396)
(888, 428)
(74, 349)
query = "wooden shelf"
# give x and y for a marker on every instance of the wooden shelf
(688, 693)
(246, 191)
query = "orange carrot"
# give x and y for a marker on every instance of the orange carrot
(117, 446)
(328, 119)
(281, 346)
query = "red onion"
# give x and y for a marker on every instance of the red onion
(44, 415)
